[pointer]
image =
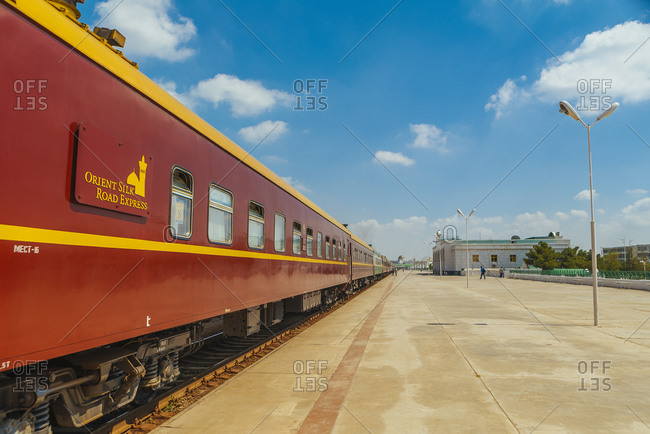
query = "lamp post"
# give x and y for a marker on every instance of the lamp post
(427, 257)
(568, 110)
(439, 244)
(466, 242)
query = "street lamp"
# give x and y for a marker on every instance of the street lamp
(568, 110)
(427, 257)
(439, 245)
(466, 241)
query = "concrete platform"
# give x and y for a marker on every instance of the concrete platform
(419, 354)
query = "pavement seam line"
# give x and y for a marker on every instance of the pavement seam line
(476, 374)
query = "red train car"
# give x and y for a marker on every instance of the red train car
(128, 224)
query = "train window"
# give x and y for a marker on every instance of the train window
(255, 226)
(297, 238)
(340, 252)
(220, 215)
(333, 249)
(310, 242)
(345, 252)
(327, 247)
(180, 216)
(319, 245)
(280, 232)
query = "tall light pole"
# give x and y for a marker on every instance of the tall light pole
(568, 110)
(439, 245)
(466, 242)
(427, 257)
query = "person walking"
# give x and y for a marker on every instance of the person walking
(482, 273)
(501, 272)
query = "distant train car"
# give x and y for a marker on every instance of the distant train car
(128, 224)
(362, 268)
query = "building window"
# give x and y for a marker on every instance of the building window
(319, 245)
(220, 215)
(310, 242)
(255, 226)
(513, 258)
(493, 258)
(474, 258)
(297, 238)
(280, 233)
(180, 218)
(327, 247)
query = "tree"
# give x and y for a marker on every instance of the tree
(583, 259)
(609, 262)
(542, 256)
(568, 258)
(574, 258)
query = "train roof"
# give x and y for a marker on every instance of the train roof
(79, 36)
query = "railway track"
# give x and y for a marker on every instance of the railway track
(218, 360)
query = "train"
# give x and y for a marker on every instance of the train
(129, 225)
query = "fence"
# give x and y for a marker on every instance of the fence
(572, 272)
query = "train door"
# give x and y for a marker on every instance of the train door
(349, 259)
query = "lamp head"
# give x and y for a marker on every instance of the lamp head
(608, 112)
(568, 110)
(460, 212)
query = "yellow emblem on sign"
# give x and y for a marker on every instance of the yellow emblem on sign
(137, 181)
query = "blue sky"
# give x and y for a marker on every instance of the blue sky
(450, 96)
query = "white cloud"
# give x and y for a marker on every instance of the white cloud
(489, 220)
(636, 191)
(367, 230)
(296, 184)
(269, 131)
(602, 55)
(639, 212)
(246, 97)
(170, 88)
(584, 195)
(508, 92)
(274, 159)
(398, 237)
(429, 136)
(580, 213)
(388, 157)
(561, 216)
(604, 68)
(152, 28)
(409, 223)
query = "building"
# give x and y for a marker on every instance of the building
(451, 255)
(639, 251)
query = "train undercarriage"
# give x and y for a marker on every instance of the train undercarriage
(74, 390)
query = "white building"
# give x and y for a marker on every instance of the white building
(640, 251)
(451, 255)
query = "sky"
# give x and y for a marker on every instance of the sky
(392, 114)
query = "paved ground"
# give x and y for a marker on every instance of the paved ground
(419, 354)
